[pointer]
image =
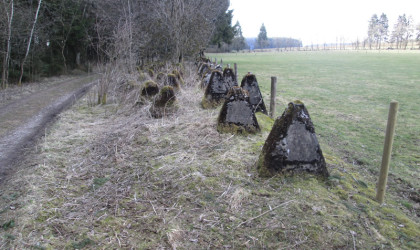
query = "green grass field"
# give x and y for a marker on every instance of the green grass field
(348, 95)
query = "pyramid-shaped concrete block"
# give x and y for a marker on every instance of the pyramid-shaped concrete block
(204, 68)
(229, 78)
(205, 80)
(250, 84)
(237, 115)
(215, 92)
(165, 103)
(172, 80)
(292, 145)
(150, 88)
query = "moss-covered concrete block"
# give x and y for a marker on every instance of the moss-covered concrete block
(178, 76)
(229, 78)
(172, 80)
(150, 88)
(215, 91)
(205, 80)
(204, 68)
(237, 115)
(292, 145)
(160, 76)
(250, 84)
(165, 103)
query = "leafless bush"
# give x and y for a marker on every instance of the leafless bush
(103, 87)
(168, 30)
(112, 78)
(92, 97)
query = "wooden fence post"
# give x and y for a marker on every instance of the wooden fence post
(386, 156)
(273, 97)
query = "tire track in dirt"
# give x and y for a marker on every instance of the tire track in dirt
(23, 121)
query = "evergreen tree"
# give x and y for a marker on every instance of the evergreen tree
(262, 40)
(224, 31)
(238, 42)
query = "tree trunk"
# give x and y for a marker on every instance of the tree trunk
(29, 42)
(130, 37)
(78, 59)
(5, 73)
(64, 57)
(406, 42)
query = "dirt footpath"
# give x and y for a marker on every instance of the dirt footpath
(23, 121)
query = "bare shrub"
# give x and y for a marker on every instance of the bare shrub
(92, 96)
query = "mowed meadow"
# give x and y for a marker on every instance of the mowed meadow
(347, 94)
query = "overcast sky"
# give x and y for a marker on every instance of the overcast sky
(318, 21)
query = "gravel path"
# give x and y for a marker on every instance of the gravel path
(24, 120)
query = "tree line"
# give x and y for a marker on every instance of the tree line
(404, 31)
(263, 41)
(239, 42)
(48, 37)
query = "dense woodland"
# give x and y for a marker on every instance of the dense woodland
(48, 37)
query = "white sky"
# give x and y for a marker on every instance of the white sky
(318, 21)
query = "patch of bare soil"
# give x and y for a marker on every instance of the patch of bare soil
(15, 92)
(25, 112)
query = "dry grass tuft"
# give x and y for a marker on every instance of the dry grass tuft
(175, 236)
(237, 197)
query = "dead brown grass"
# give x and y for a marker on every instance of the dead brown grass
(111, 176)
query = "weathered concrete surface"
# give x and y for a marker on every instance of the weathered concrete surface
(203, 69)
(292, 145)
(178, 74)
(160, 77)
(229, 78)
(250, 84)
(205, 80)
(237, 115)
(173, 81)
(165, 103)
(149, 88)
(215, 92)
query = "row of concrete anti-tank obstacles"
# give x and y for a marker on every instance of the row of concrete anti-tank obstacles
(163, 99)
(291, 146)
